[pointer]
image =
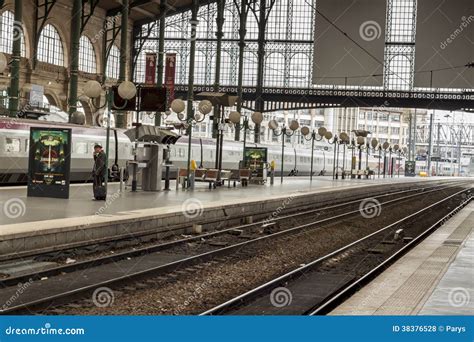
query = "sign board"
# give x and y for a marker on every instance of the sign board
(152, 99)
(122, 104)
(49, 162)
(170, 74)
(150, 68)
(410, 168)
(36, 95)
(255, 157)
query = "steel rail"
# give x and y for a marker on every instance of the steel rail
(163, 246)
(285, 278)
(188, 261)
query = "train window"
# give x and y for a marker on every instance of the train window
(81, 147)
(27, 145)
(181, 153)
(12, 145)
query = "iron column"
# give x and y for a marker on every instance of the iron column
(76, 25)
(242, 34)
(14, 91)
(430, 144)
(121, 122)
(192, 55)
(161, 53)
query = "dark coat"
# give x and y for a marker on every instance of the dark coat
(99, 164)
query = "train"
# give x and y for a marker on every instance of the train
(15, 135)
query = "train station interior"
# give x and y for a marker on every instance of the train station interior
(237, 157)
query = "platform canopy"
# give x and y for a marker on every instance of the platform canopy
(147, 133)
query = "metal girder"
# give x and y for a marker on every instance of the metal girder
(42, 10)
(138, 36)
(276, 99)
(86, 16)
(110, 35)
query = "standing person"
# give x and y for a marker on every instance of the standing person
(99, 173)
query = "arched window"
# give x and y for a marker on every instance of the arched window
(87, 60)
(10, 31)
(113, 63)
(399, 73)
(50, 46)
(300, 68)
(274, 70)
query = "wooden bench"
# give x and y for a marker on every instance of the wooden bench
(241, 175)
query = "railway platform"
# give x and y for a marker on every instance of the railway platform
(43, 224)
(435, 278)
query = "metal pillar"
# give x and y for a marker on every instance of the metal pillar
(283, 136)
(438, 148)
(135, 165)
(413, 154)
(192, 55)
(161, 53)
(430, 144)
(343, 176)
(242, 33)
(410, 136)
(219, 34)
(120, 121)
(313, 137)
(459, 151)
(218, 116)
(262, 23)
(76, 26)
(380, 160)
(14, 91)
(360, 161)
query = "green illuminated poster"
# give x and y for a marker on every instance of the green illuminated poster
(49, 162)
(255, 157)
(410, 168)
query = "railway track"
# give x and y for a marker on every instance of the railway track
(315, 288)
(68, 281)
(279, 223)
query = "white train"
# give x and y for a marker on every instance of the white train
(14, 144)
(446, 167)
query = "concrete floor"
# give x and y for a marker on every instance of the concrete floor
(435, 278)
(16, 207)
